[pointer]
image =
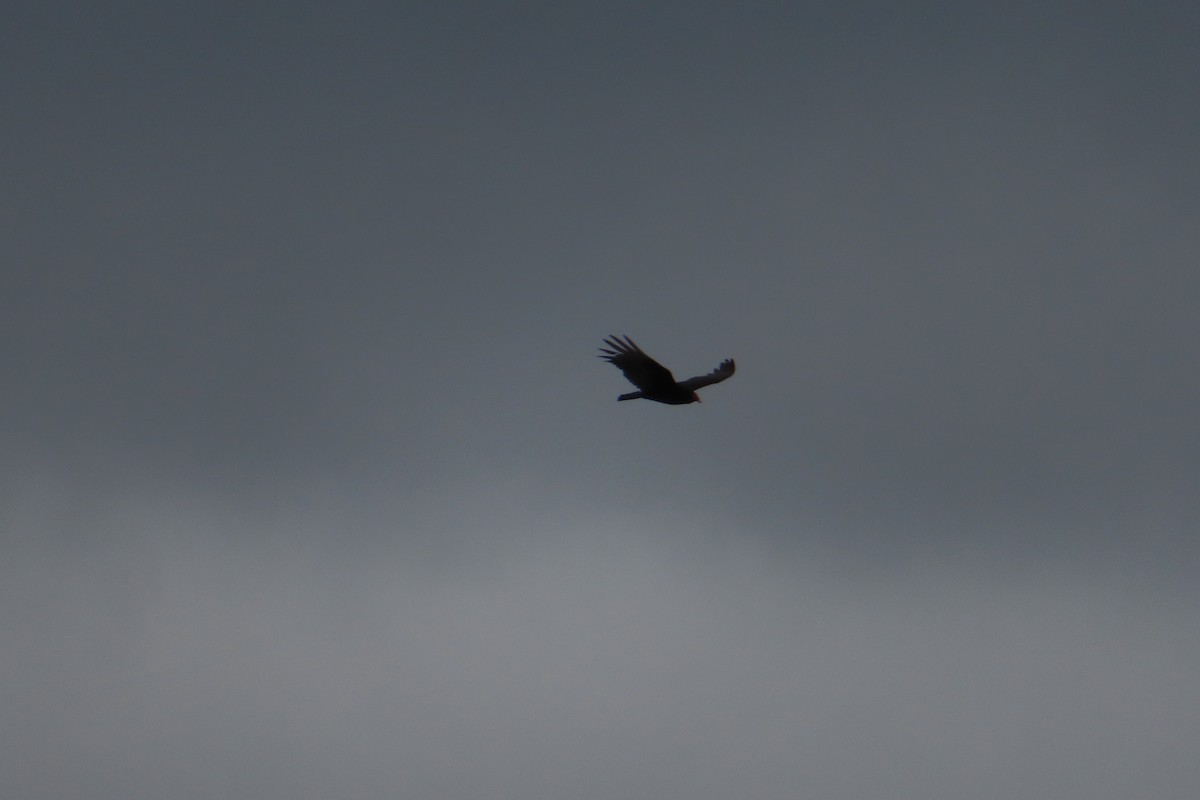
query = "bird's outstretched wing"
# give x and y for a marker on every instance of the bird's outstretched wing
(641, 370)
(716, 376)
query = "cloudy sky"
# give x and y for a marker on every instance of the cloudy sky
(313, 486)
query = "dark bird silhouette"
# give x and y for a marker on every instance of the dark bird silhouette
(655, 381)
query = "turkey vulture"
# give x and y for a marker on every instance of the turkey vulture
(653, 379)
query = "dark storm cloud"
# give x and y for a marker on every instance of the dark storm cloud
(314, 486)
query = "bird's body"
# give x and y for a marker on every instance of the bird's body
(654, 381)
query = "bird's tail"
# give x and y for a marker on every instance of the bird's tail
(630, 396)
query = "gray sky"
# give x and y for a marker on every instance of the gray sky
(313, 486)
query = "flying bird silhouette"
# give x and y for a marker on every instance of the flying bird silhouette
(655, 381)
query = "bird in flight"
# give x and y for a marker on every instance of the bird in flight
(653, 380)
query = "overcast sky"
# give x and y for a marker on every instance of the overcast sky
(313, 486)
